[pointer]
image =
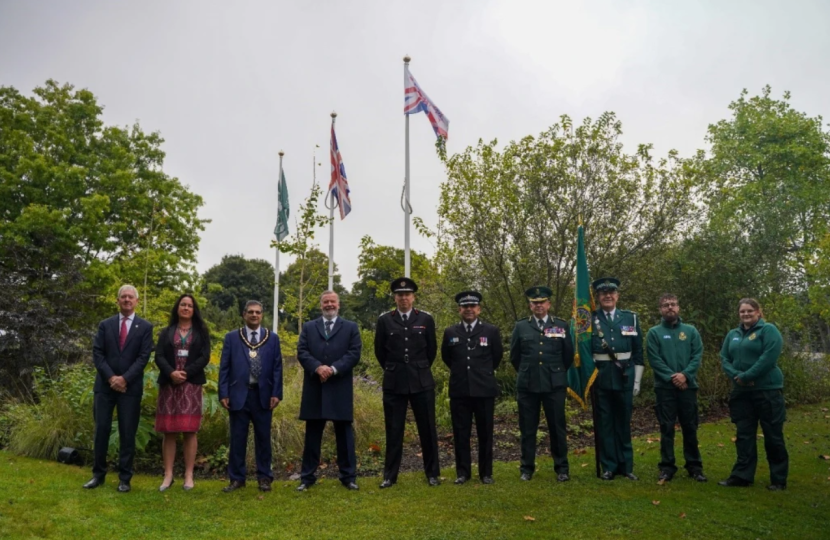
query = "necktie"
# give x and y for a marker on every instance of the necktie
(122, 336)
(404, 317)
(541, 323)
(255, 363)
(254, 340)
(608, 316)
(469, 328)
(328, 328)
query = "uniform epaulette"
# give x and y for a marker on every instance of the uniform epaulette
(627, 311)
(422, 311)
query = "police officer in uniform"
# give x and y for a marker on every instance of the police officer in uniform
(472, 350)
(541, 350)
(617, 345)
(405, 347)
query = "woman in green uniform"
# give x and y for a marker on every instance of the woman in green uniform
(750, 358)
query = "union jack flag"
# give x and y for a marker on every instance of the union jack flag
(415, 101)
(339, 185)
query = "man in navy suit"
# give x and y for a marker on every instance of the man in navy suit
(328, 350)
(250, 387)
(120, 351)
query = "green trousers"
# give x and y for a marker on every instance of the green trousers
(529, 408)
(675, 405)
(615, 452)
(747, 409)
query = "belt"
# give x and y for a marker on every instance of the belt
(607, 357)
(254, 386)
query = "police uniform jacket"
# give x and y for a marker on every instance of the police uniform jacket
(541, 356)
(473, 359)
(625, 341)
(406, 351)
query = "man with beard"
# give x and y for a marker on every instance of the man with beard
(328, 350)
(674, 353)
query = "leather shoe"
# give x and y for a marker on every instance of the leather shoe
(94, 483)
(631, 476)
(487, 480)
(526, 476)
(563, 477)
(432, 481)
(264, 484)
(460, 480)
(303, 487)
(607, 475)
(699, 477)
(123, 487)
(233, 486)
(386, 484)
(351, 486)
(777, 487)
(163, 488)
(665, 476)
(734, 481)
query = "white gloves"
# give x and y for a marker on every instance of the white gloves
(638, 377)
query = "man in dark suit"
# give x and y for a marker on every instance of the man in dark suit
(120, 351)
(250, 387)
(328, 350)
(472, 349)
(405, 347)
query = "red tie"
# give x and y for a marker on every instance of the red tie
(122, 337)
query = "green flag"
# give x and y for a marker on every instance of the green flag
(281, 230)
(582, 373)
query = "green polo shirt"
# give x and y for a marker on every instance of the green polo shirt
(674, 348)
(752, 355)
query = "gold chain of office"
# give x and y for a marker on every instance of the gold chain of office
(250, 345)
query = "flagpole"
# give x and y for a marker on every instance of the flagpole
(406, 207)
(331, 223)
(277, 262)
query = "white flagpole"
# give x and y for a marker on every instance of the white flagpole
(331, 222)
(406, 207)
(277, 262)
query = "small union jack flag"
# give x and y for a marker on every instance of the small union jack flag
(415, 101)
(339, 185)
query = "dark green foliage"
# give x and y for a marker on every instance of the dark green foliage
(239, 280)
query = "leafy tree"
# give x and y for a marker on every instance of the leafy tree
(235, 280)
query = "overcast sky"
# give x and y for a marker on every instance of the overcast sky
(229, 84)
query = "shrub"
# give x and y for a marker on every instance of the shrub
(41, 429)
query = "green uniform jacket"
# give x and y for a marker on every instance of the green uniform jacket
(541, 356)
(752, 355)
(623, 335)
(674, 349)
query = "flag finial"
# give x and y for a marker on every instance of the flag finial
(281, 153)
(406, 59)
(333, 114)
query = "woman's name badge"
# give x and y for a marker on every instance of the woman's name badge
(182, 353)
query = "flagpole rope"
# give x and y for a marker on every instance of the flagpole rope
(405, 206)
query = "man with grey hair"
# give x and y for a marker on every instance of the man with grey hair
(328, 350)
(120, 352)
(250, 387)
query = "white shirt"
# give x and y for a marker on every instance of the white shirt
(129, 318)
(471, 325)
(544, 321)
(610, 314)
(408, 314)
(333, 321)
(251, 331)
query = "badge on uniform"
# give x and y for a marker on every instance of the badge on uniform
(628, 330)
(182, 353)
(752, 336)
(453, 340)
(667, 336)
(682, 336)
(482, 341)
(736, 339)
(555, 332)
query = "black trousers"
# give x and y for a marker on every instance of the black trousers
(463, 409)
(529, 407)
(129, 413)
(747, 410)
(346, 460)
(675, 405)
(251, 413)
(394, 415)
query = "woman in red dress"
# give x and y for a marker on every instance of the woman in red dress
(182, 352)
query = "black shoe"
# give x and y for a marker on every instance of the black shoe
(526, 476)
(94, 483)
(351, 486)
(665, 476)
(607, 475)
(303, 487)
(460, 480)
(777, 487)
(698, 476)
(631, 476)
(487, 480)
(386, 484)
(264, 483)
(123, 487)
(233, 486)
(563, 477)
(432, 481)
(734, 481)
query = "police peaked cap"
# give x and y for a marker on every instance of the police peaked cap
(468, 298)
(404, 284)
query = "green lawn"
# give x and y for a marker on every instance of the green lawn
(43, 499)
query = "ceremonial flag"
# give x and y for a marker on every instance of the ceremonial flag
(281, 230)
(582, 373)
(416, 100)
(339, 186)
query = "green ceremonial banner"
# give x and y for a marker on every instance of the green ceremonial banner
(582, 373)
(281, 230)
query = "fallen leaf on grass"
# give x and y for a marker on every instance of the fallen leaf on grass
(261, 497)
(825, 457)
(734, 439)
(655, 503)
(580, 451)
(419, 454)
(584, 464)
(720, 445)
(806, 442)
(824, 409)
(530, 518)
(760, 435)
(661, 482)
(324, 465)
(374, 448)
(683, 515)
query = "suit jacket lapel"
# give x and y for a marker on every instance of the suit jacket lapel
(476, 329)
(337, 324)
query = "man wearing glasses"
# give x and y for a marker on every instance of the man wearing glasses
(541, 350)
(674, 353)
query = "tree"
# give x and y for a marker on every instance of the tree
(239, 280)
(307, 279)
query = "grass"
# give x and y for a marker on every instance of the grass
(44, 499)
